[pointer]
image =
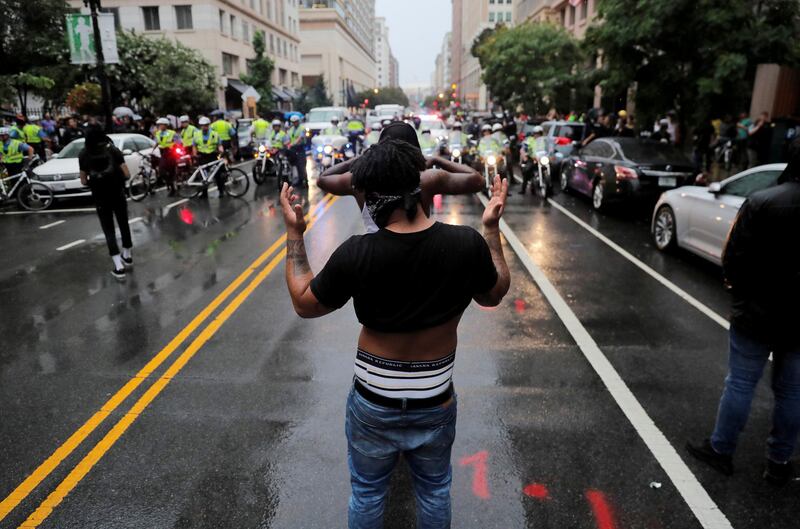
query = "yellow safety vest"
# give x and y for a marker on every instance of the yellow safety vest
(260, 128)
(222, 128)
(166, 139)
(20, 135)
(32, 133)
(11, 152)
(295, 133)
(187, 135)
(209, 145)
(277, 139)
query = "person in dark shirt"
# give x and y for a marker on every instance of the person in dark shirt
(71, 132)
(103, 169)
(761, 264)
(410, 282)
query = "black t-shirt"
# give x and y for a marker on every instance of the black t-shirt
(104, 167)
(405, 282)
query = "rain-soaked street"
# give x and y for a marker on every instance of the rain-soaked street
(192, 396)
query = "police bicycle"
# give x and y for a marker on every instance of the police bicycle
(235, 180)
(30, 193)
(141, 184)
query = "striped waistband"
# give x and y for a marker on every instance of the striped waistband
(400, 379)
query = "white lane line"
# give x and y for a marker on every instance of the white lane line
(693, 493)
(56, 223)
(176, 203)
(70, 245)
(688, 298)
(47, 211)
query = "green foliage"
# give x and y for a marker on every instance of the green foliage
(259, 74)
(695, 56)
(162, 75)
(315, 96)
(388, 95)
(85, 98)
(530, 65)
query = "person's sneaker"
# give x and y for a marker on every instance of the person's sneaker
(779, 474)
(128, 262)
(706, 453)
(118, 273)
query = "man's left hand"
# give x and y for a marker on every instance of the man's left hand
(292, 212)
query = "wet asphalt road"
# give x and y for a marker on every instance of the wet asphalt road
(177, 400)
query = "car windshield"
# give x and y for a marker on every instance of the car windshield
(316, 116)
(573, 132)
(653, 153)
(74, 148)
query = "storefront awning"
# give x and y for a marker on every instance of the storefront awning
(245, 89)
(279, 94)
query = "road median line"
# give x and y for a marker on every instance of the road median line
(67, 447)
(101, 448)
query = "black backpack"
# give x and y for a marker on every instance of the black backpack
(104, 160)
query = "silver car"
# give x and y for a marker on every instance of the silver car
(700, 218)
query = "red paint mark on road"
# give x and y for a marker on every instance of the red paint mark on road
(537, 490)
(601, 509)
(520, 305)
(480, 484)
(187, 216)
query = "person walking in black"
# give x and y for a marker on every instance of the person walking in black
(103, 169)
(761, 264)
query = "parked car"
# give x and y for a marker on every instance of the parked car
(61, 172)
(624, 169)
(699, 218)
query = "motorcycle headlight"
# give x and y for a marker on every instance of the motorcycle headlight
(319, 149)
(456, 153)
(328, 149)
(544, 160)
(261, 148)
(491, 160)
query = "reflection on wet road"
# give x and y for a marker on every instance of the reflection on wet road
(192, 396)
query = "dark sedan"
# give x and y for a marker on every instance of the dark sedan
(624, 169)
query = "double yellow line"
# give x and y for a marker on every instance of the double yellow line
(99, 450)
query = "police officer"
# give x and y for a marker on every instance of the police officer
(277, 137)
(16, 130)
(355, 131)
(225, 131)
(334, 129)
(166, 139)
(488, 142)
(534, 143)
(35, 136)
(374, 134)
(259, 130)
(13, 152)
(207, 147)
(188, 131)
(426, 141)
(297, 147)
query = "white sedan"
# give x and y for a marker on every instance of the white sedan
(700, 218)
(61, 172)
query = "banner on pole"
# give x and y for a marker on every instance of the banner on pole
(81, 39)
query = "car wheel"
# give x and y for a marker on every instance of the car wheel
(664, 233)
(563, 180)
(599, 195)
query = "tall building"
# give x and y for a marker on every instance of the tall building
(383, 52)
(443, 75)
(337, 43)
(471, 19)
(574, 15)
(394, 72)
(222, 31)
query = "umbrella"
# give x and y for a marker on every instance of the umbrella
(122, 111)
(217, 112)
(288, 115)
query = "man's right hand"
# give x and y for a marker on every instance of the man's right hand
(292, 213)
(497, 204)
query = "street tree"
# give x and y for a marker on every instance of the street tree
(533, 65)
(388, 95)
(85, 98)
(314, 96)
(259, 73)
(161, 75)
(697, 57)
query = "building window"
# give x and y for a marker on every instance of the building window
(151, 20)
(491, 1)
(269, 9)
(252, 4)
(584, 9)
(245, 32)
(183, 16)
(271, 44)
(233, 27)
(282, 75)
(508, 1)
(491, 16)
(564, 17)
(508, 16)
(222, 21)
(229, 64)
(114, 11)
(571, 15)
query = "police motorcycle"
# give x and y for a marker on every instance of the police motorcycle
(490, 158)
(455, 147)
(535, 163)
(355, 134)
(330, 150)
(269, 161)
(430, 146)
(373, 136)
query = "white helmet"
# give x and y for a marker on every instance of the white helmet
(162, 121)
(204, 121)
(538, 129)
(496, 127)
(377, 126)
(294, 118)
(486, 127)
(277, 122)
(4, 131)
(183, 119)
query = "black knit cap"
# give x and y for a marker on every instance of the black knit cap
(399, 130)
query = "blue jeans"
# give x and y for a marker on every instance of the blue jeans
(376, 436)
(746, 365)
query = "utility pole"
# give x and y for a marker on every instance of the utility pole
(94, 7)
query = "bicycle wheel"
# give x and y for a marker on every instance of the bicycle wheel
(139, 186)
(236, 182)
(34, 196)
(190, 188)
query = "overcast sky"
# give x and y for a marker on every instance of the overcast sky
(416, 30)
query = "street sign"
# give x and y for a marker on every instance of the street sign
(81, 39)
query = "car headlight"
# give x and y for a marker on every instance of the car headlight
(328, 149)
(544, 160)
(261, 148)
(456, 153)
(491, 160)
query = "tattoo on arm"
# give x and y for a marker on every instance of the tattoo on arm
(296, 255)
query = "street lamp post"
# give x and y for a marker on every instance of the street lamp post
(94, 7)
